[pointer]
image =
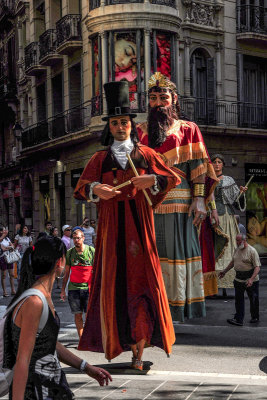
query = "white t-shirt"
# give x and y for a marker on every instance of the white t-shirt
(88, 236)
(5, 242)
(23, 243)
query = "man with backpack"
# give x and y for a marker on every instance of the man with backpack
(79, 261)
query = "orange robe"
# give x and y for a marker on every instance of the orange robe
(128, 300)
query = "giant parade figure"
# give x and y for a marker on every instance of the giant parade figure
(128, 306)
(181, 146)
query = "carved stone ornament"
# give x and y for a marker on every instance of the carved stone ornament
(199, 13)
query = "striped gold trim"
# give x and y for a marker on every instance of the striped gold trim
(181, 262)
(178, 194)
(172, 208)
(187, 301)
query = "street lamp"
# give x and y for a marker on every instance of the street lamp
(17, 129)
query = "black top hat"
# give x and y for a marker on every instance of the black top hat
(117, 95)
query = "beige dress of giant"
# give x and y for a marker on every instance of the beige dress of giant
(226, 194)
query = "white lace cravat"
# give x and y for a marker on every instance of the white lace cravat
(119, 149)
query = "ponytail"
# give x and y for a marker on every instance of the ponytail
(27, 277)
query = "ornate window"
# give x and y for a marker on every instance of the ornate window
(203, 85)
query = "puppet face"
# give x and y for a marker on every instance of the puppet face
(161, 99)
(218, 165)
(120, 127)
(125, 54)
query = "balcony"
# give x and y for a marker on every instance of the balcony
(32, 63)
(74, 120)
(251, 24)
(168, 3)
(69, 36)
(96, 3)
(48, 48)
(7, 8)
(112, 2)
(236, 114)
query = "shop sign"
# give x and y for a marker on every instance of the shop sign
(256, 209)
(75, 176)
(59, 180)
(44, 183)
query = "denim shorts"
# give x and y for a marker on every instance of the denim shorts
(78, 300)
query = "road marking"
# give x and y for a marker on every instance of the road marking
(154, 390)
(229, 397)
(188, 397)
(85, 384)
(113, 391)
(208, 375)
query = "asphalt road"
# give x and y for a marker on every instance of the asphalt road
(211, 359)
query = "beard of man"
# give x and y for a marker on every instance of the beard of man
(160, 119)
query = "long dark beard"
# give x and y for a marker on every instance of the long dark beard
(160, 119)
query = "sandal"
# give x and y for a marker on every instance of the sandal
(138, 365)
(5, 295)
(134, 359)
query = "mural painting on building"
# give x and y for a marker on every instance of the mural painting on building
(163, 41)
(256, 212)
(125, 58)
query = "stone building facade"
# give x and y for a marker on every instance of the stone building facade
(57, 54)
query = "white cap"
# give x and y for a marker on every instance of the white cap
(64, 227)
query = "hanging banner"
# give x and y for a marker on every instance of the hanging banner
(256, 211)
(5, 192)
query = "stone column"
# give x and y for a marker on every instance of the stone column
(218, 71)
(177, 65)
(187, 44)
(147, 57)
(248, 14)
(104, 63)
(20, 48)
(238, 14)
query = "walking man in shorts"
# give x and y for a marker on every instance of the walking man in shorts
(79, 261)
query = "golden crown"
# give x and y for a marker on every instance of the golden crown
(160, 80)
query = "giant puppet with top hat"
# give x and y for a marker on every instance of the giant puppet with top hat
(128, 307)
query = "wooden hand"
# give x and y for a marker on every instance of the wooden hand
(105, 192)
(143, 181)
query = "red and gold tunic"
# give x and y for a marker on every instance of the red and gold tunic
(128, 301)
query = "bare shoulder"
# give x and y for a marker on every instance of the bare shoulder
(33, 305)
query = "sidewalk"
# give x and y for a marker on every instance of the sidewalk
(211, 359)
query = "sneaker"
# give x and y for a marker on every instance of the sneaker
(254, 320)
(233, 321)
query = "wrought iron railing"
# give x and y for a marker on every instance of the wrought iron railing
(72, 120)
(69, 28)
(48, 43)
(112, 2)
(219, 112)
(31, 55)
(169, 3)
(200, 110)
(94, 4)
(7, 7)
(251, 18)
